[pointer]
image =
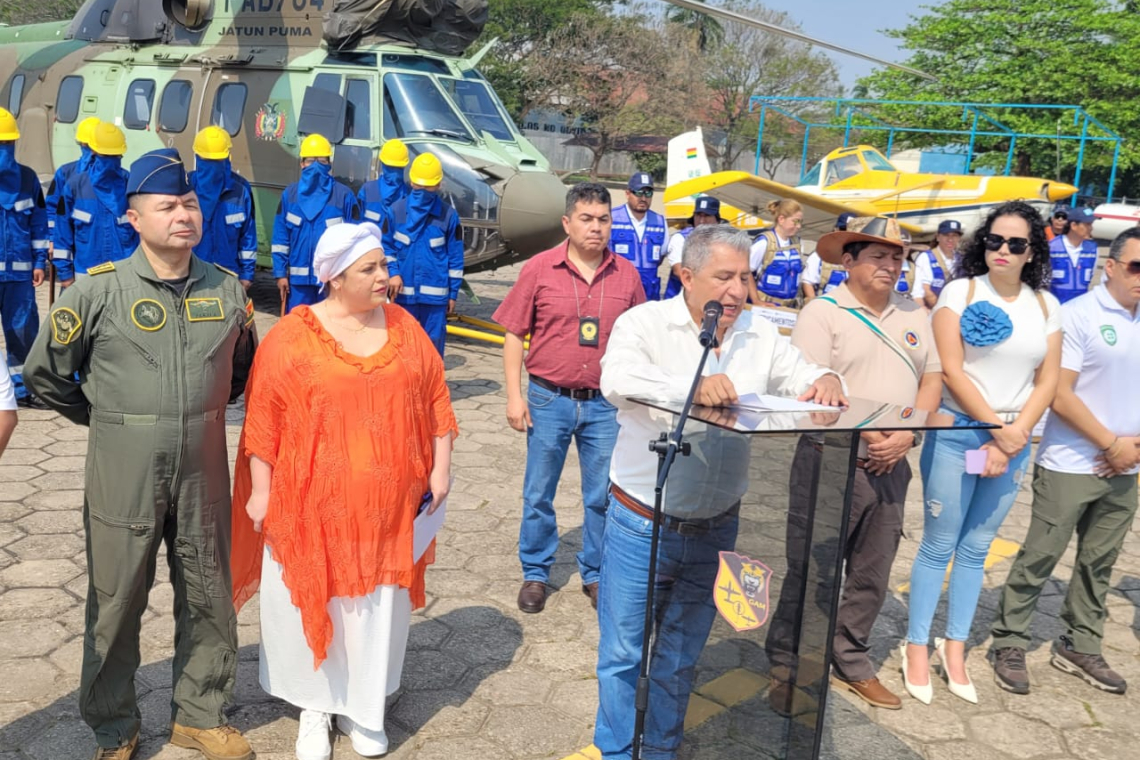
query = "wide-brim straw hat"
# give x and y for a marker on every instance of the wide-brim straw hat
(871, 229)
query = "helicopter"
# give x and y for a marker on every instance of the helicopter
(264, 71)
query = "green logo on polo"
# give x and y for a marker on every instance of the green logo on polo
(1109, 334)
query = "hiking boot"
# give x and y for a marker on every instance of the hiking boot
(1010, 672)
(124, 752)
(218, 743)
(1089, 667)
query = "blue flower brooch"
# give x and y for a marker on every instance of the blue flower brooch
(983, 324)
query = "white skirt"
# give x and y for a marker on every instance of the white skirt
(365, 656)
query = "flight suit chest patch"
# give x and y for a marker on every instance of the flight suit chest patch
(148, 314)
(204, 310)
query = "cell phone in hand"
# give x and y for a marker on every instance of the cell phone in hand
(976, 461)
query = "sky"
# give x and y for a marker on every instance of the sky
(854, 24)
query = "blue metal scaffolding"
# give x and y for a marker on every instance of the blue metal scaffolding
(848, 109)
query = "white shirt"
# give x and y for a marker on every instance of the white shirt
(653, 352)
(676, 246)
(760, 247)
(1101, 343)
(813, 269)
(1073, 251)
(1003, 373)
(639, 224)
(7, 390)
(924, 272)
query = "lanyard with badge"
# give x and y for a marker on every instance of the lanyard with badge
(588, 327)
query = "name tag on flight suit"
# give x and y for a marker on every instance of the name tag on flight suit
(204, 310)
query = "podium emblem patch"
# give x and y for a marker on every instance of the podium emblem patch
(741, 592)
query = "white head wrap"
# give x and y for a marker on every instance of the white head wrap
(341, 246)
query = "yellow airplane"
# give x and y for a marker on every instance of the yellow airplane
(856, 179)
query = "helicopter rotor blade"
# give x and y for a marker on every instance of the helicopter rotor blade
(727, 15)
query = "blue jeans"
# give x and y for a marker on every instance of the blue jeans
(686, 572)
(961, 516)
(433, 318)
(593, 427)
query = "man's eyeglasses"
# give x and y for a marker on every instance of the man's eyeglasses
(1017, 245)
(643, 193)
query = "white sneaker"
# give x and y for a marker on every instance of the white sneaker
(365, 741)
(313, 736)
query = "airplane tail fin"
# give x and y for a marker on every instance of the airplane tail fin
(686, 157)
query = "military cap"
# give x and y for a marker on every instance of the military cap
(159, 172)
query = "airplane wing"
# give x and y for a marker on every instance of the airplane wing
(749, 195)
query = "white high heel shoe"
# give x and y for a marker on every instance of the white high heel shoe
(924, 693)
(964, 691)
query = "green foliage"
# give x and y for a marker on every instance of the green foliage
(1080, 52)
(709, 30)
(16, 12)
(654, 163)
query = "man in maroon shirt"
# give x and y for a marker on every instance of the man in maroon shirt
(567, 298)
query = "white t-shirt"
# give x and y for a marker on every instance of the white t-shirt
(813, 269)
(1102, 343)
(1003, 372)
(639, 224)
(7, 390)
(673, 251)
(1073, 251)
(760, 247)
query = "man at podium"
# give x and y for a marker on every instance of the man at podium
(653, 353)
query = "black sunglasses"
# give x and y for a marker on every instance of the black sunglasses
(1017, 245)
(1132, 267)
(643, 193)
(1060, 215)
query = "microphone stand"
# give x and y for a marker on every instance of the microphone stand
(667, 446)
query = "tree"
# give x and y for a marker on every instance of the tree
(1034, 51)
(16, 12)
(751, 61)
(710, 32)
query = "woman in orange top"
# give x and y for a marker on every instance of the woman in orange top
(348, 425)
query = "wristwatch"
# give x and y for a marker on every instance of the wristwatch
(917, 438)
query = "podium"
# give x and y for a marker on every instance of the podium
(761, 684)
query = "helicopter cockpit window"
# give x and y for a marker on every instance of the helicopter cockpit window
(330, 82)
(174, 108)
(16, 94)
(841, 168)
(358, 120)
(68, 98)
(229, 106)
(140, 100)
(477, 104)
(415, 107)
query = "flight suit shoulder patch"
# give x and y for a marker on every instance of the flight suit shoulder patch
(248, 312)
(204, 310)
(102, 268)
(65, 325)
(230, 272)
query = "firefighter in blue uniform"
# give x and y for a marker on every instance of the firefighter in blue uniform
(83, 135)
(423, 242)
(706, 210)
(23, 256)
(308, 207)
(91, 226)
(638, 233)
(377, 196)
(1073, 256)
(229, 230)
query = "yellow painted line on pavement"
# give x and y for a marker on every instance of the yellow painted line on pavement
(1000, 551)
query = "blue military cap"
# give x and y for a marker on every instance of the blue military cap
(1061, 210)
(159, 172)
(841, 222)
(949, 227)
(706, 204)
(640, 181)
(1081, 215)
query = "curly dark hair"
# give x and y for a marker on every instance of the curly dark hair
(1038, 270)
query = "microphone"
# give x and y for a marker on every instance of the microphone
(714, 310)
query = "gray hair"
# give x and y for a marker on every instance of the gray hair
(586, 192)
(1117, 248)
(699, 244)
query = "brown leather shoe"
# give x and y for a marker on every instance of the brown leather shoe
(870, 691)
(218, 743)
(591, 590)
(532, 596)
(124, 752)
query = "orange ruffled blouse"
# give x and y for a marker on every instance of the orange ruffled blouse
(350, 441)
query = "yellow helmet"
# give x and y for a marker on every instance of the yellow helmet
(108, 140)
(316, 146)
(213, 142)
(426, 170)
(86, 130)
(8, 128)
(394, 153)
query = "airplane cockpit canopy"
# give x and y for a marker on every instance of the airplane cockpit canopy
(845, 166)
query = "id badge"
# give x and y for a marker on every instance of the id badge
(587, 331)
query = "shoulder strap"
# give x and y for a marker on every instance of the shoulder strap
(1041, 303)
(970, 291)
(886, 339)
(774, 247)
(936, 252)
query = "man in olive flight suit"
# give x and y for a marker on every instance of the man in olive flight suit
(161, 341)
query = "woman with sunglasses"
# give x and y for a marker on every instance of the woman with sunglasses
(998, 333)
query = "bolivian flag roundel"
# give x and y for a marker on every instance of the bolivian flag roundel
(741, 592)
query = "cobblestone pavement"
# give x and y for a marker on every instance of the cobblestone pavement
(481, 678)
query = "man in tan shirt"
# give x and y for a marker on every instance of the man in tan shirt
(882, 345)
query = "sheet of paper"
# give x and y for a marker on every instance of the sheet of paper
(765, 403)
(425, 528)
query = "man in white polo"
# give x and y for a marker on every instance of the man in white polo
(1085, 479)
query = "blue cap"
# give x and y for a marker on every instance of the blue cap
(159, 172)
(949, 227)
(1083, 215)
(841, 222)
(1061, 209)
(640, 181)
(706, 204)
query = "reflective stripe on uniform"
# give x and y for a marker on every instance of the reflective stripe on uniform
(247, 255)
(235, 218)
(123, 220)
(436, 242)
(292, 219)
(21, 266)
(41, 245)
(407, 291)
(429, 290)
(51, 224)
(455, 274)
(299, 271)
(3, 266)
(81, 216)
(372, 216)
(334, 221)
(281, 249)
(402, 238)
(23, 205)
(61, 254)
(390, 259)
